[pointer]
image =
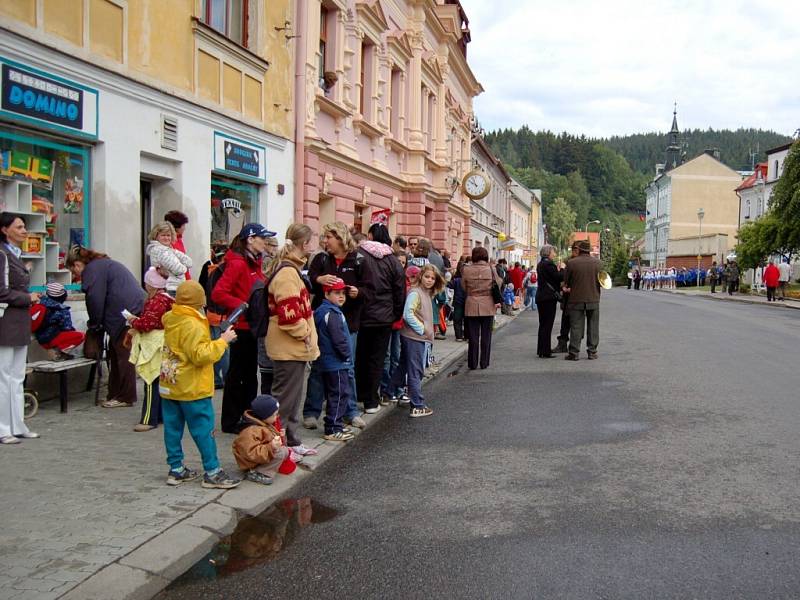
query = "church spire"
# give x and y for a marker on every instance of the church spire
(673, 154)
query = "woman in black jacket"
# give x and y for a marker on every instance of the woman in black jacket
(339, 260)
(547, 295)
(384, 295)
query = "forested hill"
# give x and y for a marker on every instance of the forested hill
(598, 177)
(644, 150)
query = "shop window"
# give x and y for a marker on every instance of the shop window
(48, 185)
(233, 204)
(229, 17)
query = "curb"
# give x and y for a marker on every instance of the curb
(149, 568)
(791, 304)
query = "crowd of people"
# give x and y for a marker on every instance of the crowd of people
(725, 276)
(288, 332)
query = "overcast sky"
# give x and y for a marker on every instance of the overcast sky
(616, 67)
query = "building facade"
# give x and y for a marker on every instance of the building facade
(674, 199)
(490, 215)
(521, 229)
(386, 115)
(116, 111)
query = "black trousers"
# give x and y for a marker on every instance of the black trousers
(771, 294)
(241, 382)
(547, 316)
(563, 333)
(479, 336)
(121, 372)
(373, 342)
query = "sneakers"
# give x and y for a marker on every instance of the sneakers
(303, 451)
(257, 477)
(139, 427)
(9, 439)
(386, 399)
(561, 348)
(571, 356)
(372, 410)
(592, 355)
(440, 336)
(421, 412)
(358, 422)
(220, 480)
(179, 477)
(338, 436)
(309, 422)
(403, 399)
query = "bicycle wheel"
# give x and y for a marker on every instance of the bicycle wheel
(31, 405)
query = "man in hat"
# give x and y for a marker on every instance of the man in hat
(583, 305)
(563, 334)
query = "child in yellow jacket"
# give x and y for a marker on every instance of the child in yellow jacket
(187, 385)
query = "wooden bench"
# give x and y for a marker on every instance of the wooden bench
(63, 367)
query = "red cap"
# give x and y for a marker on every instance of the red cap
(336, 285)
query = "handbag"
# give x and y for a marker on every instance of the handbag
(557, 293)
(93, 344)
(497, 297)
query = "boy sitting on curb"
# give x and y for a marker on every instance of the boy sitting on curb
(187, 385)
(259, 449)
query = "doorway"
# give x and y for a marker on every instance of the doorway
(146, 216)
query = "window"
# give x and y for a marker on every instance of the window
(48, 184)
(394, 123)
(747, 209)
(229, 17)
(233, 203)
(323, 44)
(366, 79)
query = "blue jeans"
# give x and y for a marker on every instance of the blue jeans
(390, 365)
(412, 367)
(199, 416)
(530, 295)
(315, 392)
(221, 366)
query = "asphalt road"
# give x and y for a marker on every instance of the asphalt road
(668, 468)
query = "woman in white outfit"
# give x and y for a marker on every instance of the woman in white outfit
(15, 329)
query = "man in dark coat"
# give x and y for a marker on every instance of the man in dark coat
(563, 334)
(580, 281)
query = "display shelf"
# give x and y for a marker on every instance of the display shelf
(51, 256)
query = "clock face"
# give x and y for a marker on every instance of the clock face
(476, 185)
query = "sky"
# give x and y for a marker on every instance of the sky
(616, 67)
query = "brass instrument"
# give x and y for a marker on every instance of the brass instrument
(604, 279)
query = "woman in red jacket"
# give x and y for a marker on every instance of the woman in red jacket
(771, 279)
(242, 269)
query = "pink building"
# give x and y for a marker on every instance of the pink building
(386, 111)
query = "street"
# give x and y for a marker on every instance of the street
(665, 469)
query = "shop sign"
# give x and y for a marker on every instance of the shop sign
(36, 97)
(238, 157)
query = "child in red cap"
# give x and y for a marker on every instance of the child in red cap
(335, 359)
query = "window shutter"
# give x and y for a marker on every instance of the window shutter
(169, 132)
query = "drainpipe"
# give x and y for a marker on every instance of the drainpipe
(301, 25)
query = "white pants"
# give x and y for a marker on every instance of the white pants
(12, 403)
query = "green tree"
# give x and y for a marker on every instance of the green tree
(560, 221)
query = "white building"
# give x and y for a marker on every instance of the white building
(490, 215)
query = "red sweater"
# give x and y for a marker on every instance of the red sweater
(236, 283)
(771, 276)
(178, 245)
(154, 309)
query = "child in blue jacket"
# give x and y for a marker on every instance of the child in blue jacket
(335, 360)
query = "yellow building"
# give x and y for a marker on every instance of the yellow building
(674, 203)
(116, 111)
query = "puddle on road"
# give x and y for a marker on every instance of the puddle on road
(257, 540)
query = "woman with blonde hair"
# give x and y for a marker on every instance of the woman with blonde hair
(171, 263)
(339, 260)
(291, 336)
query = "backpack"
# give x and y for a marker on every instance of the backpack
(257, 314)
(211, 282)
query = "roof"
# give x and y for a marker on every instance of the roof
(761, 170)
(780, 148)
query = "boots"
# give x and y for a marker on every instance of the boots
(561, 348)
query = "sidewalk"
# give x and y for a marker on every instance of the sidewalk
(743, 298)
(87, 512)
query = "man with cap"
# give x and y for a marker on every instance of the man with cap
(53, 324)
(583, 305)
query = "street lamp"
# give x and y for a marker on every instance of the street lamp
(700, 215)
(586, 229)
